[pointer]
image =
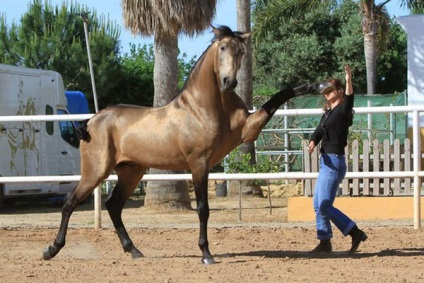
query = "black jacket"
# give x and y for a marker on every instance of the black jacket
(333, 127)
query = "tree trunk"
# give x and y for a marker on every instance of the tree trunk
(166, 194)
(370, 29)
(244, 76)
(370, 50)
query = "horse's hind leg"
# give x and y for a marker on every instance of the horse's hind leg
(128, 178)
(82, 191)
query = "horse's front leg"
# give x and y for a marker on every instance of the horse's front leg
(200, 182)
(257, 121)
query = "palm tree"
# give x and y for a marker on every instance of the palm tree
(244, 75)
(165, 20)
(374, 23)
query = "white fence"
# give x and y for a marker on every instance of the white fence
(374, 156)
(416, 173)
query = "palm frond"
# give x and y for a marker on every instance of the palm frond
(168, 18)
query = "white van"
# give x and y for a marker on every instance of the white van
(35, 148)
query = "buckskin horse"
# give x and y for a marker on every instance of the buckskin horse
(195, 131)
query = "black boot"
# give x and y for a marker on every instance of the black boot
(286, 94)
(277, 100)
(358, 236)
(324, 246)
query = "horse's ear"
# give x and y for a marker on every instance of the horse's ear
(246, 35)
(216, 31)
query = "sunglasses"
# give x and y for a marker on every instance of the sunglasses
(326, 88)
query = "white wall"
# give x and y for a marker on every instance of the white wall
(414, 27)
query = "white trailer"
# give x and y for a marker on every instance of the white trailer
(35, 148)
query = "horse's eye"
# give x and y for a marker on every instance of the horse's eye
(223, 47)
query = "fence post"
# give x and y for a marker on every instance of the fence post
(366, 166)
(392, 125)
(369, 120)
(417, 167)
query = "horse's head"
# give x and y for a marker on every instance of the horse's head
(230, 49)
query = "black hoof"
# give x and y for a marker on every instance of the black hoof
(47, 254)
(208, 260)
(136, 253)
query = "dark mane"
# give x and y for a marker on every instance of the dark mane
(225, 31)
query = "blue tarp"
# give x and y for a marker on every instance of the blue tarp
(77, 103)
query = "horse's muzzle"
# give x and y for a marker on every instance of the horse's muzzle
(228, 84)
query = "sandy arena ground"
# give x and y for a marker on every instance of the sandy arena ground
(261, 247)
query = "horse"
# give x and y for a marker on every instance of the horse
(195, 131)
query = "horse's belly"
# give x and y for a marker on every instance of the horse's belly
(156, 157)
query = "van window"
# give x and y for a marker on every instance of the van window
(67, 130)
(49, 124)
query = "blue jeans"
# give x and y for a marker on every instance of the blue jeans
(331, 173)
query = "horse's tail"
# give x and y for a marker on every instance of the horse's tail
(82, 131)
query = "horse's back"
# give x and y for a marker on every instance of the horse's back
(110, 120)
(123, 112)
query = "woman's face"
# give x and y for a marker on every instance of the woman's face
(332, 96)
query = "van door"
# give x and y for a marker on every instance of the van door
(69, 153)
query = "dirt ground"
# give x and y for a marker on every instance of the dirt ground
(260, 247)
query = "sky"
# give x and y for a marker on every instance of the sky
(225, 15)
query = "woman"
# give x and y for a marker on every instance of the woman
(332, 132)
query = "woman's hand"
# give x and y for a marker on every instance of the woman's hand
(311, 146)
(348, 74)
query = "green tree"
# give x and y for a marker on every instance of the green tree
(348, 46)
(374, 23)
(137, 67)
(52, 37)
(165, 20)
(297, 50)
(185, 65)
(392, 63)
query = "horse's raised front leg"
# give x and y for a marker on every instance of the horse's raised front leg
(257, 121)
(128, 178)
(77, 197)
(200, 182)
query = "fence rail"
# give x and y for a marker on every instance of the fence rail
(415, 173)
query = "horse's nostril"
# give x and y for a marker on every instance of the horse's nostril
(225, 81)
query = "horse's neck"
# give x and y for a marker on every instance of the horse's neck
(203, 84)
